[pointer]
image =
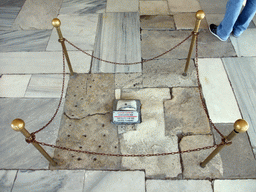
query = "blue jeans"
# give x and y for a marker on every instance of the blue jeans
(234, 21)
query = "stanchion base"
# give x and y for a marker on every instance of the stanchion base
(74, 75)
(184, 74)
(201, 165)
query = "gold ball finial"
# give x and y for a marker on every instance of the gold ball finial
(200, 14)
(18, 124)
(56, 22)
(241, 126)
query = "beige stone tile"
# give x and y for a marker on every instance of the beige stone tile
(157, 22)
(154, 8)
(188, 21)
(183, 6)
(131, 80)
(214, 18)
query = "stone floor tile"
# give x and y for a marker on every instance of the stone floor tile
(187, 21)
(245, 45)
(7, 179)
(14, 85)
(234, 185)
(61, 180)
(43, 62)
(216, 7)
(178, 186)
(14, 151)
(191, 161)
(122, 6)
(46, 86)
(237, 159)
(7, 17)
(168, 73)
(153, 8)
(241, 72)
(183, 6)
(37, 14)
(12, 3)
(82, 33)
(157, 22)
(102, 181)
(184, 113)
(219, 97)
(214, 18)
(131, 80)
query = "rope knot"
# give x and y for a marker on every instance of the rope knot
(225, 141)
(31, 139)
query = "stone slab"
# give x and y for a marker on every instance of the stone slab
(7, 17)
(234, 185)
(14, 151)
(131, 80)
(157, 22)
(241, 72)
(187, 21)
(191, 161)
(245, 44)
(122, 6)
(82, 33)
(168, 73)
(217, 7)
(12, 3)
(154, 8)
(37, 14)
(43, 62)
(237, 159)
(61, 180)
(214, 18)
(14, 85)
(178, 186)
(184, 113)
(117, 40)
(219, 97)
(7, 179)
(183, 6)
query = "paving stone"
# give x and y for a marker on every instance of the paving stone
(7, 17)
(7, 179)
(153, 8)
(214, 18)
(183, 6)
(237, 159)
(89, 95)
(187, 21)
(37, 14)
(217, 7)
(149, 136)
(168, 73)
(184, 113)
(219, 97)
(131, 80)
(192, 160)
(178, 186)
(234, 185)
(157, 22)
(122, 6)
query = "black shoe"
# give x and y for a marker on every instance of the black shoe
(213, 30)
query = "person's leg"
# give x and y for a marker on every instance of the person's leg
(245, 18)
(233, 9)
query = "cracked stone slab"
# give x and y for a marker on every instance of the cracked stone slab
(89, 94)
(149, 136)
(191, 161)
(168, 73)
(157, 22)
(184, 113)
(131, 80)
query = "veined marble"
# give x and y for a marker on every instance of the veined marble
(122, 6)
(7, 17)
(118, 40)
(12, 41)
(12, 3)
(7, 180)
(14, 151)
(82, 7)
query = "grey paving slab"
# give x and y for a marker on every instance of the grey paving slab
(218, 6)
(234, 185)
(191, 161)
(237, 159)
(122, 6)
(154, 8)
(168, 73)
(214, 18)
(157, 22)
(118, 40)
(37, 14)
(61, 180)
(184, 113)
(7, 179)
(178, 186)
(7, 17)
(130, 80)
(183, 6)
(24, 41)
(15, 152)
(187, 21)
(241, 72)
(12, 3)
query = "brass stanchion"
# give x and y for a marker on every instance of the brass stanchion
(56, 23)
(199, 16)
(240, 126)
(19, 125)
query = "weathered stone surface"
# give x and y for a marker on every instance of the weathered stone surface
(192, 160)
(157, 22)
(185, 113)
(238, 159)
(187, 21)
(90, 94)
(154, 8)
(128, 80)
(235, 185)
(168, 73)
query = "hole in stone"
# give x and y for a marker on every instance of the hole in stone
(125, 104)
(79, 159)
(77, 86)
(94, 159)
(99, 146)
(80, 147)
(75, 105)
(72, 156)
(72, 115)
(74, 95)
(84, 135)
(90, 86)
(68, 135)
(103, 125)
(115, 147)
(70, 125)
(104, 135)
(82, 98)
